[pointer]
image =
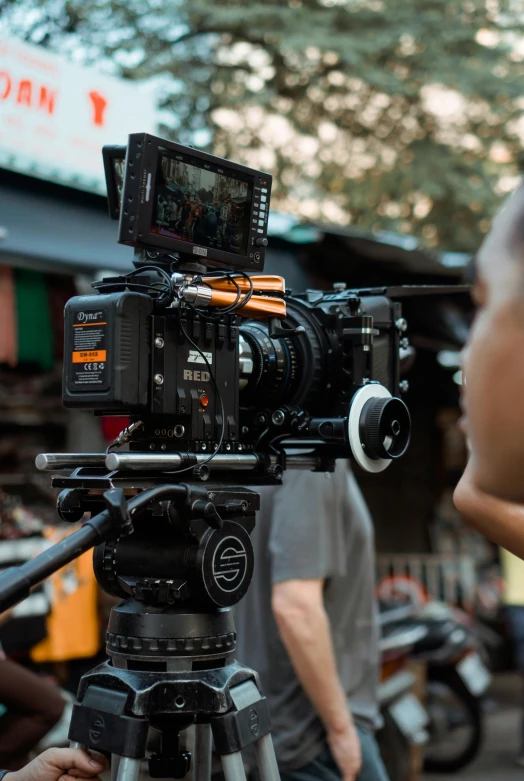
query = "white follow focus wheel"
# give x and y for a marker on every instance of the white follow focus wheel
(372, 391)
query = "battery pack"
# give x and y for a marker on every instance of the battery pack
(107, 352)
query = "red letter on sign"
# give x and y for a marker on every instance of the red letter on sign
(47, 100)
(99, 105)
(7, 85)
(24, 92)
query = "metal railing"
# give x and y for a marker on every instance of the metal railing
(447, 578)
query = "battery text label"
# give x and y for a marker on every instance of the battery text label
(90, 355)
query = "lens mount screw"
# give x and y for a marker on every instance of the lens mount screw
(159, 380)
(278, 417)
(159, 342)
(261, 418)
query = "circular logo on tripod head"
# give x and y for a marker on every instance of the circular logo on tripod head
(96, 728)
(229, 566)
(226, 566)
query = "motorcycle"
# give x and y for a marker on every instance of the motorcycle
(456, 681)
(404, 718)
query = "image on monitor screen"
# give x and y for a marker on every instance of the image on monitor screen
(199, 205)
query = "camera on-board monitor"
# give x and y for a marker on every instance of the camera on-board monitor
(211, 358)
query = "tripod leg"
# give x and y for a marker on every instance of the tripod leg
(115, 764)
(266, 759)
(128, 769)
(202, 753)
(233, 767)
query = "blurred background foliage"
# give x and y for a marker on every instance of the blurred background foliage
(403, 115)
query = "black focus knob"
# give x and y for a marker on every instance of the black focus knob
(385, 428)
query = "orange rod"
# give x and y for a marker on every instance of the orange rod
(258, 307)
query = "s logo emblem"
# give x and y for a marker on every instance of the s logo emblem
(254, 722)
(96, 728)
(229, 564)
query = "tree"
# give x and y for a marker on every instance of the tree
(394, 114)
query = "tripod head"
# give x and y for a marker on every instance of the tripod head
(190, 545)
(191, 550)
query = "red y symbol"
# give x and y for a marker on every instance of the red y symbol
(99, 106)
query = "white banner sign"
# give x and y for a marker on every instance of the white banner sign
(56, 116)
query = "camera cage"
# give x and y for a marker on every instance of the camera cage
(147, 161)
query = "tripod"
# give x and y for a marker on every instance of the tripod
(200, 684)
(180, 556)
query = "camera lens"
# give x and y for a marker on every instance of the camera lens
(267, 366)
(285, 370)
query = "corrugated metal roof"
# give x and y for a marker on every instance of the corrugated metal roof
(58, 234)
(56, 228)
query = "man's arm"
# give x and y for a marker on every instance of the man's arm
(499, 521)
(298, 607)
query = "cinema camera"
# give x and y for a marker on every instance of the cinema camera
(221, 362)
(226, 379)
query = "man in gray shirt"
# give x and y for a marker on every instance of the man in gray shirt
(308, 626)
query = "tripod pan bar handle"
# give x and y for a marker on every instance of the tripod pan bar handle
(17, 582)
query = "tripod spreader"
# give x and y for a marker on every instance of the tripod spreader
(17, 582)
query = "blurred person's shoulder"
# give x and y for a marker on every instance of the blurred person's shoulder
(303, 483)
(319, 481)
(295, 477)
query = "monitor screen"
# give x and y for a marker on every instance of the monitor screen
(201, 203)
